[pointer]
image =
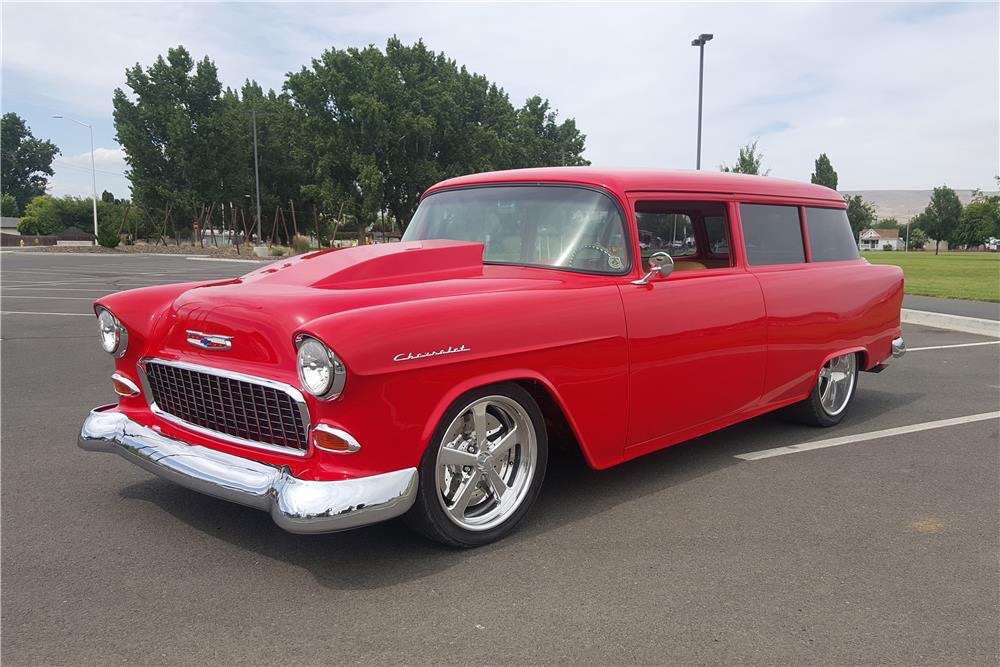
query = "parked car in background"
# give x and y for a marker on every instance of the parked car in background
(426, 378)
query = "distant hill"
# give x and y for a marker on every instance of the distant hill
(903, 204)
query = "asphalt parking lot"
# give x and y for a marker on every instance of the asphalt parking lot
(872, 551)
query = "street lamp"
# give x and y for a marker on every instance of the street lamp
(93, 168)
(700, 42)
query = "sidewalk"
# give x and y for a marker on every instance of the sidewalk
(980, 309)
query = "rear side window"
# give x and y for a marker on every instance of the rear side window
(772, 234)
(830, 235)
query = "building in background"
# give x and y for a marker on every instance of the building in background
(880, 239)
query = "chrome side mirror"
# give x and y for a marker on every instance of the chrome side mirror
(659, 262)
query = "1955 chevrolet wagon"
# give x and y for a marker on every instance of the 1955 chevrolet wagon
(620, 311)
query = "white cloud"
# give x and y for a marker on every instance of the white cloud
(899, 95)
(73, 173)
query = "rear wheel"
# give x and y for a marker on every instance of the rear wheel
(483, 468)
(834, 389)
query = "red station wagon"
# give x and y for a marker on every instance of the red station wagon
(620, 310)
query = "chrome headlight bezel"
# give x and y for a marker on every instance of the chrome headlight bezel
(116, 328)
(318, 351)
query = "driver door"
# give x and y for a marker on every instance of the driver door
(696, 339)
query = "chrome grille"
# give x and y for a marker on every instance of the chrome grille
(257, 412)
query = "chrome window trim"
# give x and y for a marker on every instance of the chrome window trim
(292, 392)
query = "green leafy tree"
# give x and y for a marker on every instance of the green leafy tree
(24, 160)
(940, 219)
(47, 215)
(860, 213)
(173, 133)
(916, 238)
(887, 223)
(749, 161)
(8, 206)
(979, 221)
(824, 174)
(414, 117)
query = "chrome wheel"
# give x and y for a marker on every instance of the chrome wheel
(486, 462)
(836, 383)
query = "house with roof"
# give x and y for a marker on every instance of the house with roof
(9, 225)
(880, 239)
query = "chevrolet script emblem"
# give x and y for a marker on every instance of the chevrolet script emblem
(209, 341)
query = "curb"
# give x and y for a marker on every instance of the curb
(972, 325)
(227, 259)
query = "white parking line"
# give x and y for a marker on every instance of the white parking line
(861, 437)
(26, 312)
(58, 298)
(944, 347)
(57, 289)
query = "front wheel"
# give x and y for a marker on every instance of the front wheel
(827, 402)
(483, 468)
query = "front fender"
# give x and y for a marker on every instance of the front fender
(407, 362)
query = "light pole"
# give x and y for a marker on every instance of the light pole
(93, 168)
(256, 175)
(700, 42)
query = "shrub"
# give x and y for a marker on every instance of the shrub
(107, 236)
(887, 246)
(277, 251)
(300, 244)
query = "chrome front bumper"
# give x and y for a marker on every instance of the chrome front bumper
(298, 506)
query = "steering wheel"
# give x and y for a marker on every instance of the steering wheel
(613, 260)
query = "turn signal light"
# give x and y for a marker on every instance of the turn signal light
(334, 440)
(123, 386)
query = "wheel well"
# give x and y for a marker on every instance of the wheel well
(560, 433)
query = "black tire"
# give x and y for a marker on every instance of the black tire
(429, 518)
(811, 410)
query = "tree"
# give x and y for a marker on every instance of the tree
(860, 213)
(749, 161)
(979, 221)
(50, 215)
(408, 117)
(24, 160)
(173, 133)
(887, 223)
(916, 238)
(824, 174)
(8, 206)
(940, 219)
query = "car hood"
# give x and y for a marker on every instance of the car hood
(262, 310)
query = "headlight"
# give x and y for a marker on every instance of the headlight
(114, 337)
(321, 373)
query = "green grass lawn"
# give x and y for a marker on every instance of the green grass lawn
(954, 275)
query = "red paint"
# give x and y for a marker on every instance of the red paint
(634, 368)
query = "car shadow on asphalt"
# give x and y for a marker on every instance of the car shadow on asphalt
(388, 554)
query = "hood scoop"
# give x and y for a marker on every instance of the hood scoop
(376, 265)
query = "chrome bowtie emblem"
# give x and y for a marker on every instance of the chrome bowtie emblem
(209, 341)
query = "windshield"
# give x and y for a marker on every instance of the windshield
(557, 226)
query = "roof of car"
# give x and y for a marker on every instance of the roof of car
(628, 180)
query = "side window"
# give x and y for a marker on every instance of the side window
(694, 233)
(830, 235)
(672, 233)
(772, 234)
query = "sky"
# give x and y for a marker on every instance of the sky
(898, 95)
